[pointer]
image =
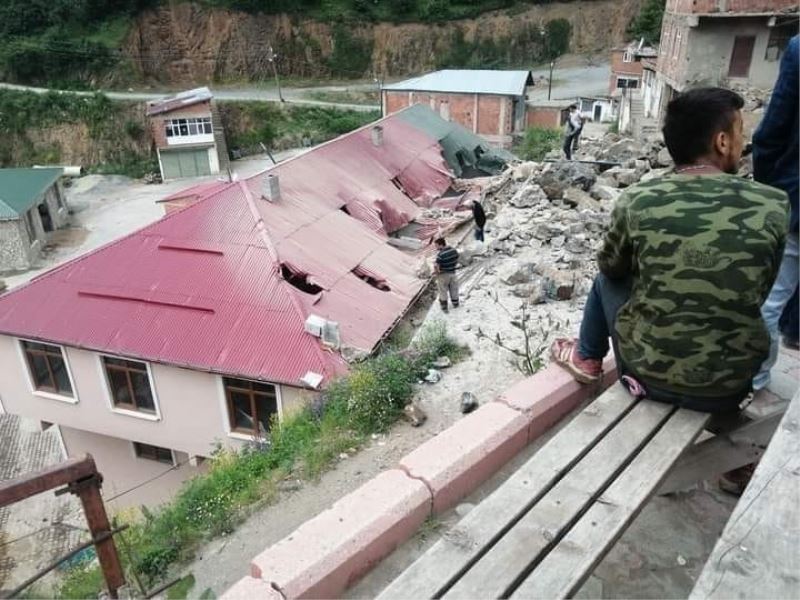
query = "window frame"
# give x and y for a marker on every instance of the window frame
(51, 395)
(225, 406)
(181, 127)
(123, 409)
(135, 447)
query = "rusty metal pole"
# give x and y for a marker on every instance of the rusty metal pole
(88, 490)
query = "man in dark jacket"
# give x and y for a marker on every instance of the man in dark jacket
(445, 269)
(480, 219)
(775, 162)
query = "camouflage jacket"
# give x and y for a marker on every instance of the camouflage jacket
(702, 252)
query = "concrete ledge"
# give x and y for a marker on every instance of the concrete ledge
(549, 395)
(250, 588)
(460, 458)
(328, 553)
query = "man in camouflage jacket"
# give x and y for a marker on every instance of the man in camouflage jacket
(685, 266)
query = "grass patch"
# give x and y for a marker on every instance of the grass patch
(367, 400)
(249, 123)
(180, 591)
(538, 141)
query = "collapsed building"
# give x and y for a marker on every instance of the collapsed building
(238, 305)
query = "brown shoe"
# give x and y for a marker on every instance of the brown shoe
(734, 482)
(584, 370)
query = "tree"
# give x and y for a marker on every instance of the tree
(557, 34)
(647, 24)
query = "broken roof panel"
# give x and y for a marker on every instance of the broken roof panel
(180, 100)
(467, 81)
(203, 287)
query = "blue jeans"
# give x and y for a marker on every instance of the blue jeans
(599, 315)
(779, 296)
(479, 233)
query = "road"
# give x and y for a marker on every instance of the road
(568, 83)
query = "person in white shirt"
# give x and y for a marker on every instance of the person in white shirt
(571, 129)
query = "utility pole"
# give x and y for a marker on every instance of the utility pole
(550, 79)
(272, 57)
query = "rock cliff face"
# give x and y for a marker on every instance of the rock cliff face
(183, 42)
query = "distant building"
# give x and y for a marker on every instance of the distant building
(626, 66)
(188, 134)
(489, 103)
(721, 42)
(598, 109)
(32, 205)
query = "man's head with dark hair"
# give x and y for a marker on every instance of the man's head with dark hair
(573, 107)
(703, 126)
(441, 242)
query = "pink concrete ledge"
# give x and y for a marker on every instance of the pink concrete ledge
(549, 395)
(328, 553)
(250, 588)
(460, 458)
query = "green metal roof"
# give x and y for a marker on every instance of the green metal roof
(458, 144)
(21, 188)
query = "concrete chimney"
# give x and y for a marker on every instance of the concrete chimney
(377, 136)
(272, 189)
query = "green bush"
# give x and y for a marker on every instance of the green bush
(351, 56)
(538, 141)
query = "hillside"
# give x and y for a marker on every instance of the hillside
(102, 42)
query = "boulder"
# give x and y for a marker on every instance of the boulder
(528, 196)
(662, 159)
(604, 192)
(621, 176)
(558, 285)
(577, 198)
(514, 272)
(624, 149)
(564, 174)
(530, 292)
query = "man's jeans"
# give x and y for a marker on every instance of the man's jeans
(782, 290)
(599, 314)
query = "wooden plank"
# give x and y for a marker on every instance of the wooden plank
(51, 477)
(510, 560)
(564, 570)
(462, 544)
(758, 554)
(722, 453)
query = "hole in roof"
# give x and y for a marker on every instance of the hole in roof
(376, 281)
(299, 280)
(343, 208)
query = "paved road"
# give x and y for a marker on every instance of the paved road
(569, 82)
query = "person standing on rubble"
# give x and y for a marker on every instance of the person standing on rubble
(445, 269)
(685, 266)
(479, 216)
(571, 128)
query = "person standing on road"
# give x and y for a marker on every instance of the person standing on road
(445, 269)
(479, 216)
(570, 128)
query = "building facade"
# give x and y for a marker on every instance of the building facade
(488, 103)
(187, 135)
(32, 206)
(626, 66)
(721, 42)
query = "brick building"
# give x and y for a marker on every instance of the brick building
(489, 103)
(720, 42)
(188, 134)
(626, 66)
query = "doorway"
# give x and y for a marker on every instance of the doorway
(44, 215)
(742, 56)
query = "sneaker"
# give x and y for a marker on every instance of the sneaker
(734, 482)
(444, 308)
(584, 370)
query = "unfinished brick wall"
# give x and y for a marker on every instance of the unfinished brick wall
(548, 118)
(201, 109)
(395, 101)
(743, 6)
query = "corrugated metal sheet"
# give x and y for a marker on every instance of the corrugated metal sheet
(180, 100)
(202, 287)
(467, 81)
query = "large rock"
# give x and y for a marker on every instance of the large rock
(528, 196)
(620, 177)
(558, 285)
(514, 272)
(577, 198)
(662, 159)
(549, 230)
(565, 174)
(603, 192)
(623, 150)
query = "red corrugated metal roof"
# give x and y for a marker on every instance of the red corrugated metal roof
(202, 287)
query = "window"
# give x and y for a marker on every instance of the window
(188, 126)
(251, 405)
(48, 368)
(129, 384)
(627, 83)
(627, 56)
(676, 47)
(779, 37)
(156, 453)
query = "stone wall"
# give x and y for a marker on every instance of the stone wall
(14, 251)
